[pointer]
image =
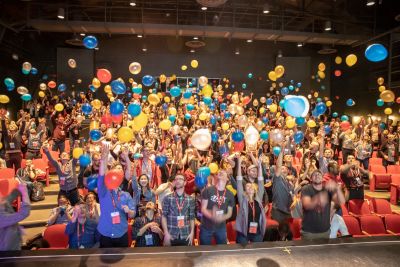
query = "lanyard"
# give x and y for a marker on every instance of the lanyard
(113, 201)
(220, 199)
(77, 231)
(180, 207)
(354, 173)
(253, 209)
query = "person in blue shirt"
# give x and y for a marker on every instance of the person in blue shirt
(116, 205)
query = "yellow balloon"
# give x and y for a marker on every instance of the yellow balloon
(77, 152)
(94, 125)
(272, 76)
(163, 78)
(203, 116)
(194, 63)
(112, 99)
(1, 145)
(225, 126)
(107, 89)
(139, 122)
(41, 94)
(4, 99)
(207, 90)
(96, 104)
(316, 94)
(290, 123)
(387, 96)
(351, 60)
(380, 80)
(279, 71)
(382, 88)
(160, 95)
(110, 95)
(321, 67)
(338, 60)
(230, 188)
(328, 103)
(184, 67)
(125, 134)
(153, 99)
(321, 74)
(165, 125)
(213, 167)
(59, 107)
(388, 111)
(167, 99)
(311, 123)
(172, 111)
(262, 110)
(273, 108)
(96, 83)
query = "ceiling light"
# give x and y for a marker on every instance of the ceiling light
(266, 9)
(299, 44)
(139, 36)
(237, 52)
(132, 3)
(192, 50)
(15, 56)
(144, 49)
(371, 2)
(328, 25)
(195, 38)
(96, 48)
(61, 13)
(249, 40)
(204, 8)
(83, 34)
(280, 53)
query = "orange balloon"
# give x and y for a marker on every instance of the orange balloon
(52, 84)
(103, 75)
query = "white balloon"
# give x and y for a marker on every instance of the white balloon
(251, 136)
(201, 139)
(276, 136)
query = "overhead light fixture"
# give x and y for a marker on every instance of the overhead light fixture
(280, 53)
(266, 9)
(96, 48)
(132, 3)
(237, 52)
(204, 8)
(249, 40)
(61, 13)
(328, 25)
(195, 38)
(144, 49)
(83, 34)
(299, 44)
(371, 2)
(15, 56)
(139, 36)
(192, 50)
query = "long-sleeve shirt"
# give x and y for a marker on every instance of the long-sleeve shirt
(66, 174)
(82, 235)
(12, 142)
(35, 141)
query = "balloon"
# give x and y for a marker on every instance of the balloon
(225, 126)
(188, 116)
(24, 71)
(94, 125)
(300, 121)
(213, 167)
(41, 94)
(380, 102)
(311, 124)
(77, 152)
(62, 87)
(285, 91)
(338, 60)
(264, 135)
(91, 183)
(335, 114)
(200, 181)
(59, 107)
(201, 139)
(250, 75)
(72, 63)
(327, 129)
(165, 125)
(320, 108)
(203, 172)
(321, 67)
(42, 86)
(153, 99)
(84, 160)
(276, 150)
(118, 87)
(135, 68)
(276, 136)
(113, 179)
(242, 121)
(26, 97)
(134, 109)
(272, 76)
(387, 96)
(86, 109)
(321, 74)
(194, 63)
(161, 160)
(244, 86)
(398, 100)
(183, 67)
(22, 90)
(279, 71)
(139, 122)
(290, 123)
(351, 60)
(382, 125)
(147, 80)
(203, 116)
(96, 104)
(298, 137)
(51, 84)
(273, 108)
(251, 136)
(382, 88)
(376, 52)
(350, 102)
(95, 135)
(237, 136)
(103, 75)
(296, 106)
(388, 111)
(90, 42)
(214, 137)
(187, 94)
(344, 118)
(9, 83)
(175, 91)
(163, 78)
(96, 83)
(4, 99)
(380, 80)
(125, 134)
(116, 107)
(328, 103)
(203, 80)
(107, 89)
(207, 90)
(338, 73)
(27, 66)
(345, 125)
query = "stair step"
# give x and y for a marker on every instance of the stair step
(31, 232)
(31, 224)
(49, 202)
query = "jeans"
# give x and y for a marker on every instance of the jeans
(364, 163)
(219, 234)
(13, 160)
(179, 242)
(252, 238)
(59, 145)
(33, 154)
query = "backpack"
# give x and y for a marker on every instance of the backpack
(37, 192)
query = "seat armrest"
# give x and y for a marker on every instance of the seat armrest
(365, 233)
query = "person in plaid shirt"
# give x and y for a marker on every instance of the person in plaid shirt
(178, 215)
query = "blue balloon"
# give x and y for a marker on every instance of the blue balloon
(276, 150)
(118, 87)
(212, 106)
(203, 172)
(90, 42)
(200, 181)
(319, 99)
(188, 116)
(10, 88)
(137, 156)
(269, 101)
(165, 106)
(161, 160)
(282, 103)
(291, 87)
(129, 95)
(116, 107)
(300, 121)
(376, 53)
(84, 160)
(137, 90)
(91, 182)
(213, 120)
(95, 135)
(237, 136)
(134, 109)
(285, 91)
(298, 137)
(344, 118)
(296, 106)
(227, 114)
(144, 98)
(62, 87)
(223, 106)
(214, 136)
(380, 102)
(223, 150)
(320, 108)
(327, 129)
(45, 77)
(350, 102)
(299, 84)
(264, 135)
(187, 94)
(189, 107)
(265, 120)
(92, 88)
(172, 118)
(244, 86)
(382, 125)
(87, 108)
(335, 114)
(207, 100)
(250, 75)
(26, 97)
(147, 80)
(26, 72)
(34, 71)
(175, 91)
(315, 113)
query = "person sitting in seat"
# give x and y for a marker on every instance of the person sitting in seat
(61, 214)
(147, 228)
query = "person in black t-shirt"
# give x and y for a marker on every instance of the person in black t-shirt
(316, 199)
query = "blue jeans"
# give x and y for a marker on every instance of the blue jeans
(59, 145)
(252, 238)
(364, 163)
(219, 234)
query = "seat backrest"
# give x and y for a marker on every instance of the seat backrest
(375, 161)
(352, 225)
(392, 222)
(381, 206)
(7, 173)
(393, 169)
(359, 207)
(378, 169)
(55, 236)
(396, 179)
(295, 227)
(230, 231)
(372, 224)
(345, 211)
(40, 164)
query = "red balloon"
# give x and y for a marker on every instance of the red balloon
(107, 119)
(116, 118)
(136, 96)
(52, 84)
(345, 125)
(338, 73)
(238, 147)
(113, 179)
(398, 100)
(103, 75)
(246, 100)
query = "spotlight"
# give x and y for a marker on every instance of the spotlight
(328, 25)
(371, 2)
(96, 48)
(280, 53)
(192, 50)
(144, 49)
(61, 13)
(15, 56)
(204, 8)
(298, 45)
(139, 36)
(132, 3)
(83, 34)
(237, 52)
(249, 40)
(266, 9)
(195, 38)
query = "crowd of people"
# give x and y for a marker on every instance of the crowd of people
(170, 185)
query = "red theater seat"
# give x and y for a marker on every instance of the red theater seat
(395, 189)
(392, 222)
(358, 207)
(381, 206)
(353, 226)
(345, 211)
(295, 227)
(43, 166)
(393, 169)
(231, 232)
(374, 161)
(380, 179)
(372, 225)
(55, 236)
(7, 173)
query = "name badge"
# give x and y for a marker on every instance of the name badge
(62, 180)
(116, 219)
(62, 132)
(181, 221)
(35, 144)
(220, 212)
(253, 228)
(12, 145)
(149, 240)
(81, 247)
(76, 131)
